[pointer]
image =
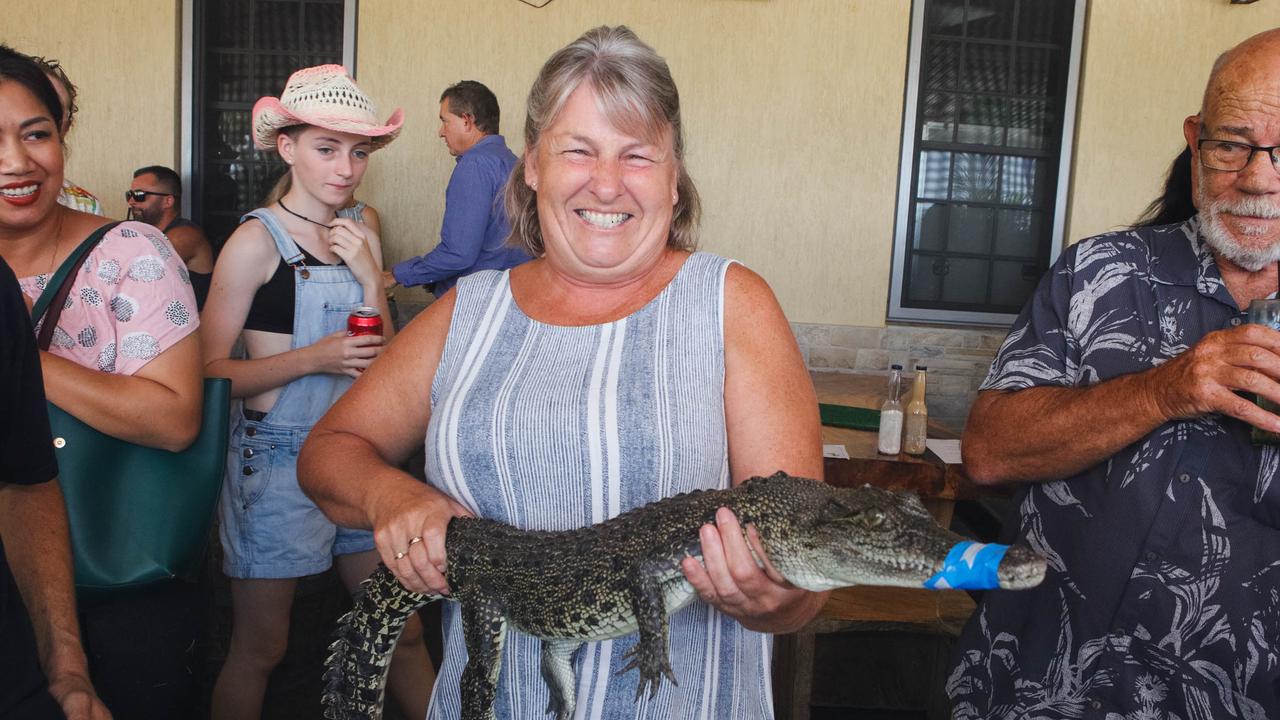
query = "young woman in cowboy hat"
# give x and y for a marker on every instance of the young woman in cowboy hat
(285, 282)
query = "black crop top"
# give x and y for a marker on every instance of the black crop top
(272, 308)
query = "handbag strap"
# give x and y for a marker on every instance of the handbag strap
(54, 297)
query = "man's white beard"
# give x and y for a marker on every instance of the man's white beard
(1220, 238)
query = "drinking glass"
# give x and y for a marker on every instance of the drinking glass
(1265, 312)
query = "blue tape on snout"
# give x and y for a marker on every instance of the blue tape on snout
(969, 566)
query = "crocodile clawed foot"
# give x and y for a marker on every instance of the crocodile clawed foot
(558, 708)
(653, 666)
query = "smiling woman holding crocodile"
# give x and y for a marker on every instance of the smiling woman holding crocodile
(617, 368)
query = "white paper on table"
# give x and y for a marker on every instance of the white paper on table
(835, 451)
(948, 451)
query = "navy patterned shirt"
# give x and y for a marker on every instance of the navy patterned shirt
(1162, 599)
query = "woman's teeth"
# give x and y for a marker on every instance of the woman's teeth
(603, 220)
(19, 191)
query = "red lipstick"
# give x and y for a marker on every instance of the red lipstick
(23, 200)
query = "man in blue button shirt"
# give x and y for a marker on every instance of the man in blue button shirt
(1117, 402)
(473, 235)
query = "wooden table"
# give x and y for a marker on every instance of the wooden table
(873, 608)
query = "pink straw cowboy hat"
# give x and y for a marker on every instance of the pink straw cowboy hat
(324, 96)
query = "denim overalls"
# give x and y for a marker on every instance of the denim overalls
(269, 529)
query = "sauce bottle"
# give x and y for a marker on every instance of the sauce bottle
(917, 416)
(890, 442)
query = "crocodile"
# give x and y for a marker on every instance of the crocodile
(623, 575)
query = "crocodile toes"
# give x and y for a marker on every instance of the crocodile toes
(557, 707)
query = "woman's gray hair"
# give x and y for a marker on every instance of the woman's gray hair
(634, 88)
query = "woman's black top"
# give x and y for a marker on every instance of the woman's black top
(272, 308)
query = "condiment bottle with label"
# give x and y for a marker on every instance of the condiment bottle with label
(917, 417)
(890, 442)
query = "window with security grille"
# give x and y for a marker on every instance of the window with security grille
(241, 51)
(990, 104)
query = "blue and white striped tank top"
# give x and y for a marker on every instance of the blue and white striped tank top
(553, 428)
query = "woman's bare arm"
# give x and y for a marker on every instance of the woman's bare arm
(158, 406)
(771, 416)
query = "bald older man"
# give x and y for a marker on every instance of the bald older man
(1116, 404)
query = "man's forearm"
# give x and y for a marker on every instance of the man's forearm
(439, 264)
(33, 522)
(1050, 433)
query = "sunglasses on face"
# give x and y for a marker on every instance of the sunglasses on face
(141, 195)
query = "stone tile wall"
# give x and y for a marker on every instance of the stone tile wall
(957, 357)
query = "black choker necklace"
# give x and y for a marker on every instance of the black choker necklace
(304, 217)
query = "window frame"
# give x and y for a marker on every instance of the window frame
(187, 121)
(906, 175)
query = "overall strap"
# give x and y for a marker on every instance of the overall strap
(59, 286)
(285, 244)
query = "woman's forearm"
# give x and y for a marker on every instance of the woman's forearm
(128, 407)
(347, 478)
(33, 521)
(256, 376)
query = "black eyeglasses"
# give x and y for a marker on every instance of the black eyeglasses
(1231, 156)
(141, 195)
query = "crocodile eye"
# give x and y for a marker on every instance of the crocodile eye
(873, 518)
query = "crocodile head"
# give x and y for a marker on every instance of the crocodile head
(870, 536)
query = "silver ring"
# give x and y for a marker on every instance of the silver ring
(399, 556)
(414, 541)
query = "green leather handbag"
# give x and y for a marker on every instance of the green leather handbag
(138, 515)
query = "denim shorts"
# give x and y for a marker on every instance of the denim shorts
(269, 528)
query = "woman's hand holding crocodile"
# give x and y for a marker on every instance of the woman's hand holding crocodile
(730, 578)
(416, 511)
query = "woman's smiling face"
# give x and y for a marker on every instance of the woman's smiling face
(605, 198)
(31, 158)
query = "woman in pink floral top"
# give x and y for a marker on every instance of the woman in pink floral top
(125, 358)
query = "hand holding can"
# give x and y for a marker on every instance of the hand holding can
(364, 320)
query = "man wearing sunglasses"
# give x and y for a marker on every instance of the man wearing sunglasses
(155, 198)
(1121, 405)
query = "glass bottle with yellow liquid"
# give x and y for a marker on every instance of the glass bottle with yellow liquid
(917, 416)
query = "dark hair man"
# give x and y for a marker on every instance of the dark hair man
(1117, 401)
(155, 198)
(475, 228)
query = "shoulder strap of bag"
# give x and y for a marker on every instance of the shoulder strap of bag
(56, 290)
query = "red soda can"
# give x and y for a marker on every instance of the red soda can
(364, 321)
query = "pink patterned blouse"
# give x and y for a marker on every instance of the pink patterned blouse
(131, 301)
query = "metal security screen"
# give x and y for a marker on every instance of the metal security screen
(246, 49)
(992, 98)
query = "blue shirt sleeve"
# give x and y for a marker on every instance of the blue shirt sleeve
(1039, 349)
(467, 203)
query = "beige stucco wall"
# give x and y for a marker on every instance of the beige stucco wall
(1145, 66)
(792, 112)
(124, 56)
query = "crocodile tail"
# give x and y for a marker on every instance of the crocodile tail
(355, 677)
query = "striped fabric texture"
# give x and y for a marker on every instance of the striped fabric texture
(553, 428)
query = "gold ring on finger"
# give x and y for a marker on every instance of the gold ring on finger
(399, 556)
(414, 540)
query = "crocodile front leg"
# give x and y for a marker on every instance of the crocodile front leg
(557, 671)
(650, 652)
(484, 630)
